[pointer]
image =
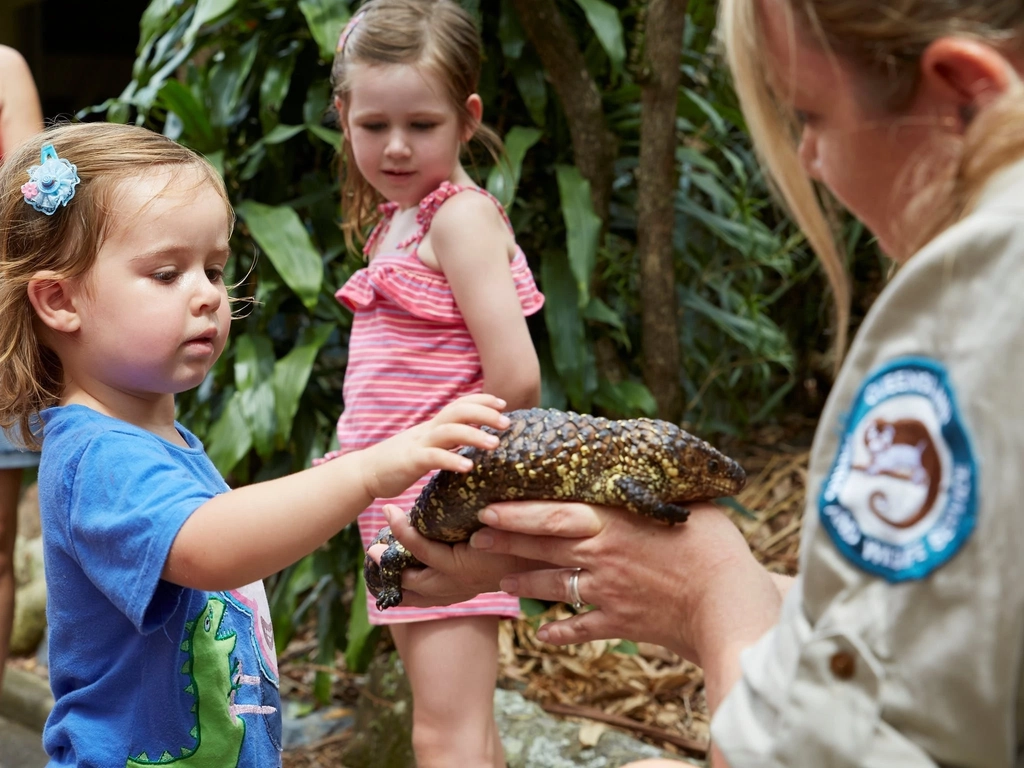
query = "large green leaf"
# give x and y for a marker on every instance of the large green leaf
(291, 373)
(254, 360)
(206, 11)
(510, 32)
(362, 636)
(279, 231)
(582, 225)
(154, 18)
(284, 598)
(330, 137)
(757, 333)
(604, 20)
(326, 19)
(281, 133)
(229, 439)
(176, 97)
(277, 79)
(503, 181)
(228, 83)
(626, 399)
(532, 86)
(570, 352)
(258, 409)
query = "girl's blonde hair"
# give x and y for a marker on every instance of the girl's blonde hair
(437, 34)
(884, 42)
(66, 243)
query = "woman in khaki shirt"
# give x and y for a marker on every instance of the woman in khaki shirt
(901, 642)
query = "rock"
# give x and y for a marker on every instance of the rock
(28, 560)
(28, 513)
(301, 730)
(532, 738)
(29, 618)
(29, 597)
(25, 698)
(383, 723)
(20, 747)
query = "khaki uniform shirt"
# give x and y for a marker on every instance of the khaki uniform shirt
(901, 642)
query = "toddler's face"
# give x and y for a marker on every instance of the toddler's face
(405, 132)
(154, 312)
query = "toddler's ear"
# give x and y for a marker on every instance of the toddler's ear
(52, 300)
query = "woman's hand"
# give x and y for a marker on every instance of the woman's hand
(391, 466)
(453, 573)
(694, 587)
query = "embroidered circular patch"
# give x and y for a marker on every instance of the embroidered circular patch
(901, 497)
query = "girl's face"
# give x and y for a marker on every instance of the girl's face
(858, 150)
(404, 131)
(154, 314)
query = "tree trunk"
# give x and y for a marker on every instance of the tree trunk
(656, 185)
(593, 144)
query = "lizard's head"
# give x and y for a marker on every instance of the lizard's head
(704, 471)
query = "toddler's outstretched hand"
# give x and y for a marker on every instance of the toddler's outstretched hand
(392, 465)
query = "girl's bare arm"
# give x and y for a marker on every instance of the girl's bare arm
(471, 243)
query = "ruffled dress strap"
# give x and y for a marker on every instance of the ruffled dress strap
(387, 212)
(431, 203)
(401, 278)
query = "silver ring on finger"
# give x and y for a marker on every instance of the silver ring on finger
(574, 590)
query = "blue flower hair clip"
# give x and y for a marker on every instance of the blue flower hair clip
(51, 183)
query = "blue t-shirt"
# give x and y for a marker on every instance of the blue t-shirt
(144, 672)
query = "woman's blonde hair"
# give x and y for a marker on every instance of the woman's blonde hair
(884, 42)
(65, 243)
(437, 34)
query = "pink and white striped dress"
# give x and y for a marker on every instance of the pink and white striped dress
(410, 354)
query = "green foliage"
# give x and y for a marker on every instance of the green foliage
(246, 83)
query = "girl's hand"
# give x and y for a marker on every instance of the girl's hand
(454, 573)
(694, 588)
(391, 466)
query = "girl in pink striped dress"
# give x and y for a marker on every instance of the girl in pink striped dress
(439, 312)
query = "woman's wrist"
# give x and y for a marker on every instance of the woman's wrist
(782, 583)
(732, 619)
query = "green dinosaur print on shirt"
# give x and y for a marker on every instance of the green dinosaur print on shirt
(218, 733)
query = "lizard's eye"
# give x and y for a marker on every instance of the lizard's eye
(712, 465)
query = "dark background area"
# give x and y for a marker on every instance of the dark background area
(80, 51)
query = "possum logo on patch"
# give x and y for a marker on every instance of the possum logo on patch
(901, 497)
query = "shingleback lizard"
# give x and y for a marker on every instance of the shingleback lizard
(645, 465)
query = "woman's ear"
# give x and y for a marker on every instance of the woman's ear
(53, 302)
(475, 110)
(964, 76)
(339, 107)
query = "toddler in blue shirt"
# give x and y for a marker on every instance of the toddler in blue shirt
(113, 245)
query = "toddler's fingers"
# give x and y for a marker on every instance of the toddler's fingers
(461, 412)
(440, 458)
(481, 398)
(455, 435)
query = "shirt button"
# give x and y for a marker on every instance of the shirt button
(843, 665)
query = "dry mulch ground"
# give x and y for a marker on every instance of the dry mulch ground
(641, 688)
